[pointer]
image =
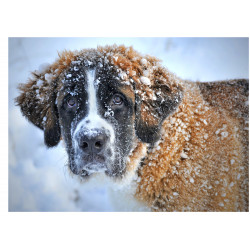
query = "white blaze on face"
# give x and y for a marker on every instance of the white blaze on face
(93, 120)
(92, 101)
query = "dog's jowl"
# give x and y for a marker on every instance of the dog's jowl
(181, 145)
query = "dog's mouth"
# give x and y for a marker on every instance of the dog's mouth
(86, 165)
(93, 159)
(94, 163)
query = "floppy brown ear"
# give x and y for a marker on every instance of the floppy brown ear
(38, 97)
(162, 99)
(37, 103)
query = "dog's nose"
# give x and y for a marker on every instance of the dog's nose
(94, 143)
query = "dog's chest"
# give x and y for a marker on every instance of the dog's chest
(123, 200)
(120, 195)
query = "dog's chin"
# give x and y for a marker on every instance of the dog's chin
(94, 167)
(85, 169)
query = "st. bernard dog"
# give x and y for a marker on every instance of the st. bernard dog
(183, 145)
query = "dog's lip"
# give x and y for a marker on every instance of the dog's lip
(92, 163)
(83, 173)
(93, 158)
(93, 168)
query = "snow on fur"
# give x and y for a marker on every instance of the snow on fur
(200, 162)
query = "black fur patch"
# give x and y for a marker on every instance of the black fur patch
(52, 135)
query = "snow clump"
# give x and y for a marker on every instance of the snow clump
(145, 80)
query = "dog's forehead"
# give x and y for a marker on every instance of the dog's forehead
(75, 77)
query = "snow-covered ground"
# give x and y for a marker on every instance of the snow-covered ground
(38, 177)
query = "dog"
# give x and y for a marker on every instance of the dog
(183, 145)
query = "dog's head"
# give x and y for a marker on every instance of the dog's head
(107, 104)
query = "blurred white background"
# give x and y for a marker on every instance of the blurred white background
(38, 177)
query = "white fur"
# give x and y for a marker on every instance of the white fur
(93, 120)
(123, 200)
(121, 195)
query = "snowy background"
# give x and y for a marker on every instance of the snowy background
(38, 177)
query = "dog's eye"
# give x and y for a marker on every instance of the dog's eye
(71, 102)
(117, 99)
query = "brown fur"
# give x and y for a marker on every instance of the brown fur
(34, 108)
(128, 91)
(199, 163)
(196, 167)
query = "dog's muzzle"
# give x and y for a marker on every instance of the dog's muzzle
(92, 150)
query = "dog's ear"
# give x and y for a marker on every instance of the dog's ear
(37, 103)
(52, 130)
(158, 92)
(155, 102)
(38, 97)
